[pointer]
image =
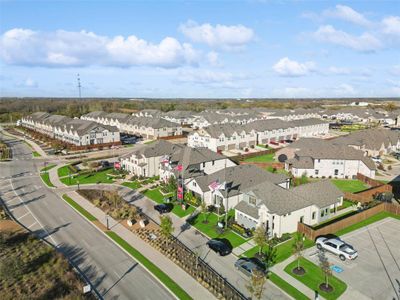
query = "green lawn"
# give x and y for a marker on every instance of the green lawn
(36, 154)
(291, 290)
(132, 184)
(156, 196)
(95, 177)
(283, 250)
(172, 285)
(314, 277)
(209, 229)
(262, 158)
(63, 171)
(375, 218)
(79, 208)
(46, 179)
(278, 171)
(352, 186)
(177, 210)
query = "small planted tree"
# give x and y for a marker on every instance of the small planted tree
(270, 256)
(297, 249)
(204, 211)
(326, 270)
(260, 238)
(167, 227)
(256, 285)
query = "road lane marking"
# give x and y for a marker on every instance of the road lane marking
(34, 223)
(23, 216)
(48, 235)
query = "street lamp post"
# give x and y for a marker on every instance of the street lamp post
(108, 227)
(78, 184)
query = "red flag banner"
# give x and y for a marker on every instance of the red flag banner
(179, 168)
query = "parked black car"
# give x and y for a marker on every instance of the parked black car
(219, 246)
(163, 208)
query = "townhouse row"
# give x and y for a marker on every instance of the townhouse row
(231, 136)
(72, 131)
(257, 196)
(147, 127)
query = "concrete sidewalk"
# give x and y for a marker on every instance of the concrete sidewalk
(53, 175)
(184, 280)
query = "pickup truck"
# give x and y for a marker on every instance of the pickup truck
(337, 247)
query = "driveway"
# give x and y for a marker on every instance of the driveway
(375, 274)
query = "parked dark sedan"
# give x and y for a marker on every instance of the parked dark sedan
(163, 208)
(249, 265)
(219, 247)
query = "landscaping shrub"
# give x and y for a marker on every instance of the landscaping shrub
(239, 229)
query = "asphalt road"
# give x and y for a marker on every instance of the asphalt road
(114, 273)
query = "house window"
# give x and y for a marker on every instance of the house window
(313, 215)
(336, 172)
(316, 172)
(213, 162)
(194, 183)
(252, 200)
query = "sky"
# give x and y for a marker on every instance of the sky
(200, 49)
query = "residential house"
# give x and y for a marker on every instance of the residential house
(234, 179)
(324, 159)
(280, 210)
(146, 160)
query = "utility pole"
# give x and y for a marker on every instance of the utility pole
(79, 86)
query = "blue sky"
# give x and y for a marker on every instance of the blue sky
(200, 49)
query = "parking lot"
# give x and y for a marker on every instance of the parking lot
(375, 274)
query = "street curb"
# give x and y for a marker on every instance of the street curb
(148, 271)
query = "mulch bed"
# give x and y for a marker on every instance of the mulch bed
(326, 288)
(299, 271)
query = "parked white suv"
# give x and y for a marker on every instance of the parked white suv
(338, 247)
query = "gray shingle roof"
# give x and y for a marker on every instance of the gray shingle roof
(239, 178)
(282, 201)
(155, 149)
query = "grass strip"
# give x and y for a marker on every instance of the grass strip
(36, 154)
(314, 277)
(289, 289)
(46, 179)
(172, 285)
(79, 208)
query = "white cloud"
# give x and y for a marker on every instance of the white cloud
(213, 58)
(338, 70)
(348, 14)
(365, 42)
(210, 77)
(344, 90)
(218, 36)
(292, 68)
(66, 48)
(391, 25)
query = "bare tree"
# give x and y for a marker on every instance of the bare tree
(325, 266)
(256, 285)
(298, 247)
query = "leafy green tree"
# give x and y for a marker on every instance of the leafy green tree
(260, 237)
(166, 227)
(298, 247)
(204, 211)
(270, 256)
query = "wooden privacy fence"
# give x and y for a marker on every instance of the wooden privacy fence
(377, 187)
(275, 165)
(312, 234)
